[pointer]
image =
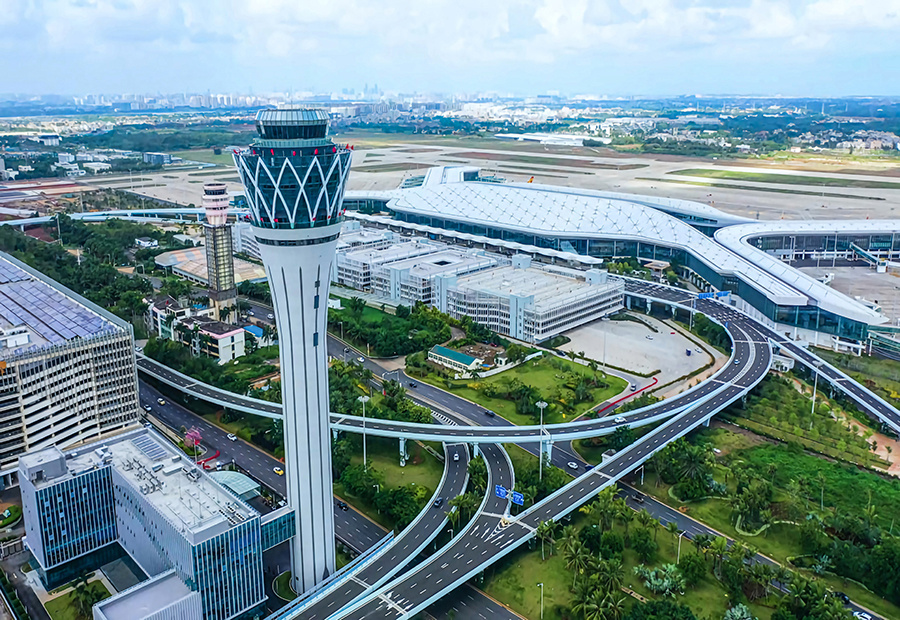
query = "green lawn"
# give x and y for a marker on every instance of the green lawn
(785, 179)
(539, 374)
(422, 469)
(63, 607)
(282, 586)
(781, 541)
(206, 156)
(760, 188)
(513, 581)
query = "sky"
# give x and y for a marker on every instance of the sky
(815, 48)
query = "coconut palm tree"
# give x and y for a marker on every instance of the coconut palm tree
(718, 547)
(544, 533)
(578, 559)
(672, 528)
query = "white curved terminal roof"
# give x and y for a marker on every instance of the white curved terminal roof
(547, 210)
(736, 239)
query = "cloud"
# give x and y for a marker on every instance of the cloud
(521, 44)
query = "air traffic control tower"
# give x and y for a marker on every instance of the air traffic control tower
(294, 178)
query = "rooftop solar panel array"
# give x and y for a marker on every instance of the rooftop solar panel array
(149, 448)
(49, 314)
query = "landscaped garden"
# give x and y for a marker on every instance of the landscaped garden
(570, 389)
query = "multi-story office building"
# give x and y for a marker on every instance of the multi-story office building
(198, 543)
(67, 372)
(243, 240)
(219, 255)
(530, 303)
(355, 267)
(294, 178)
(420, 278)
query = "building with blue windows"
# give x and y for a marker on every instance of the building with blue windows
(197, 542)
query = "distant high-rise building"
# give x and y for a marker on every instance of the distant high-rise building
(219, 255)
(294, 177)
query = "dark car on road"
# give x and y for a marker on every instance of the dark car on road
(438, 502)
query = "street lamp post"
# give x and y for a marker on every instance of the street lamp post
(678, 558)
(812, 409)
(693, 302)
(541, 405)
(541, 585)
(364, 399)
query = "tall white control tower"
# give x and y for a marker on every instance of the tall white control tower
(294, 178)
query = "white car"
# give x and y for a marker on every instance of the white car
(148, 408)
(648, 337)
(232, 437)
(572, 465)
(862, 615)
(360, 359)
(455, 457)
(619, 420)
(270, 317)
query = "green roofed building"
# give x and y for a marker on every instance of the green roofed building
(453, 359)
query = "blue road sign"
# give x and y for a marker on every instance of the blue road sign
(723, 293)
(518, 498)
(500, 491)
(705, 295)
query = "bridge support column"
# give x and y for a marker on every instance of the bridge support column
(403, 453)
(546, 450)
(706, 422)
(475, 451)
(649, 306)
(334, 435)
(628, 302)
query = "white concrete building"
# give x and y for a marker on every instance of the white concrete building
(531, 303)
(243, 241)
(356, 268)
(420, 278)
(67, 372)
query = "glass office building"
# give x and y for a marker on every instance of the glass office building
(136, 492)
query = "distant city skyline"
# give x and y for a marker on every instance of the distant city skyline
(817, 48)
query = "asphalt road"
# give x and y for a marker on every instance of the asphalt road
(488, 538)
(406, 546)
(748, 335)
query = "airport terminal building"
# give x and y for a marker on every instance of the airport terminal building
(583, 228)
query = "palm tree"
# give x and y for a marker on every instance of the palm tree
(568, 536)
(615, 606)
(672, 528)
(578, 559)
(718, 547)
(626, 516)
(648, 521)
(544, 533)
(611, 574)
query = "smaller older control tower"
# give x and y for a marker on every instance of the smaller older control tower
(219, 257)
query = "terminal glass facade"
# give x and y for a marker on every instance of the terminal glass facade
(805, 317)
